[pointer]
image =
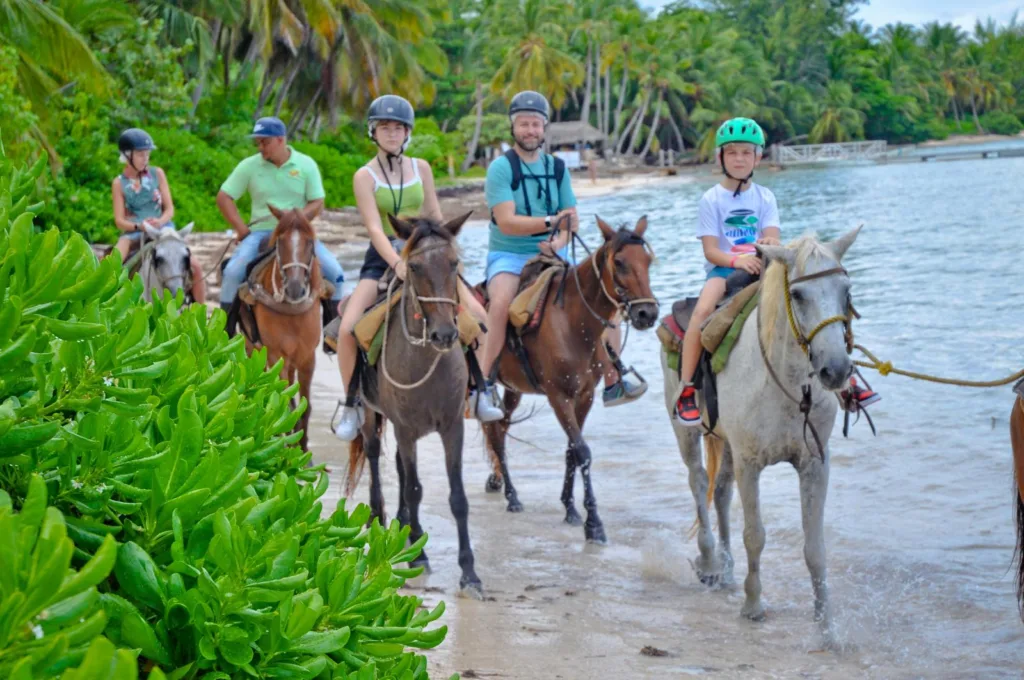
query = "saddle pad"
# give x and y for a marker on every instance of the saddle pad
(721, 353)
(525, 303)
(719, 323)
(372, 321)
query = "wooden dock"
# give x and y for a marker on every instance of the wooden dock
(802, 154)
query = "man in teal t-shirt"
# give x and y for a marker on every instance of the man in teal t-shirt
(521, 220)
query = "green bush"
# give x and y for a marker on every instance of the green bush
(336, 169)
(1001, 123)
(146, 426)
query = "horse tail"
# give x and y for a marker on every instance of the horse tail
(1017, 442)
(714, 447)
(357, 457)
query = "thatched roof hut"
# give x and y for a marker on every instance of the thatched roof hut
(572, 132)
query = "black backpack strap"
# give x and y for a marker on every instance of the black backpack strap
(559, 174)
(517, 178)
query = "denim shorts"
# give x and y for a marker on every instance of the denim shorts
(136, 235)
(720, 273)
(374, 265)
(500, 262)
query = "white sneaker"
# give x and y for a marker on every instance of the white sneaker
(484, 406)
(348, 427)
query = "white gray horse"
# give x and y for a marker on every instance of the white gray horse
(761, 422)
(165, 261)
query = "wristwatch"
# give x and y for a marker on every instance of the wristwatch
(547, 222)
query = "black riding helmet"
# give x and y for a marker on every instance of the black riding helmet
(528, 100)
(390, 107)
(134, 139)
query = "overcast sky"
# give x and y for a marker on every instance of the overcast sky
(963, 12)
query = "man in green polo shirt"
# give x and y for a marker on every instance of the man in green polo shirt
(280, 176)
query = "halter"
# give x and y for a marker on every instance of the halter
(622, 304)
(146, 253)
(805, 404)
(279, 295)
(419, 313)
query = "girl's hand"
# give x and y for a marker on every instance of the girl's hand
(400, 270)
(751, 265)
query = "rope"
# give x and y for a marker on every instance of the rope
(885, 368)
(384, 343)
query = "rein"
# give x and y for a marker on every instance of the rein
(805, 402)
(422, 340)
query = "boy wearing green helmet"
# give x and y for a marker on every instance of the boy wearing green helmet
(734, 214)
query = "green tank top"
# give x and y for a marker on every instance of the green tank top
(403, 200)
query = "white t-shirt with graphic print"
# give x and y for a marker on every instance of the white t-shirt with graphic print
(738, 222)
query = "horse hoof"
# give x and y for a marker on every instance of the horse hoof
(473, 590)
(756, 614)
(595, 535)
(572, 518)
(515, 506)
(493, 484)
(709, 580)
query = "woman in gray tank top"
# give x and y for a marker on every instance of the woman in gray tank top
(142, 196)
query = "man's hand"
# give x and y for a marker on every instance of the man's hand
(574, 218)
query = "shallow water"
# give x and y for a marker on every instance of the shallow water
(919, 519)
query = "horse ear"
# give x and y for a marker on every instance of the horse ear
(187, 230)
(275, 212)
(641, 226)
(843, 243)
(606, 229)
(402, 228)
(151, 232)
(779, 253)
(454, 226)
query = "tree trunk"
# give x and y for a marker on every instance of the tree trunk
(226, 58)
(598, 99)
(301, 117)
(974, 110)
(269, 80)
(316, 128)
(654, 125)
(197, 91)
(471, 151)
(956, 112)
(250, 59)
(282, 94)
(640, 122)
(588, 87)
(619, 103)
(605, 127)
(628, 129)
(677, 131)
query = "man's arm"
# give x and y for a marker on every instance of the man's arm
(313, 209)
(229, 210)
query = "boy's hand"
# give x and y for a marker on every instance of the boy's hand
(769, 241)
(751, 265)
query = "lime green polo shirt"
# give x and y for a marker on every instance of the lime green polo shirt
(292, 185)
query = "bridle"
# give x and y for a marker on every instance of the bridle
(622, 302)
(307, 267)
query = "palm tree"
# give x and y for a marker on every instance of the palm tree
(837, 120)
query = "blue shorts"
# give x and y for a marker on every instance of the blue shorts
(499, 262)
(720, 273)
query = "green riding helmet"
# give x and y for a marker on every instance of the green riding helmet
(740, 130)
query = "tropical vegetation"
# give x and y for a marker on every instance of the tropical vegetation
(73, 73)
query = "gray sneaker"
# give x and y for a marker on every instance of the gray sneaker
(484, 405)
(351, 421)
(623, 392)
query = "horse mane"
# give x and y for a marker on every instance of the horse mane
(292, 219)
(773, 282)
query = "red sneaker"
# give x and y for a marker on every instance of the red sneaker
(686, 411)
(862, 396)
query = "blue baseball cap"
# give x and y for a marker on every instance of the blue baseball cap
(269, 127)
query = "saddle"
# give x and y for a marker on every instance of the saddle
(369, 330)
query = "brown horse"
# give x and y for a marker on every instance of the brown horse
(1017, 441)
(287, 307)
(567, 357)
(419, 384)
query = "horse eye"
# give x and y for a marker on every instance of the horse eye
(417, 268)
(158, 261)
(797, 296)
(454, 264)
(621, 266)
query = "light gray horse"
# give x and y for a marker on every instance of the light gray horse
(761, 422)
(165, 261)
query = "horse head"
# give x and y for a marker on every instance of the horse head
(623, 265)
(806, 281)
(295, 243)
(169, 263)
(432, 274)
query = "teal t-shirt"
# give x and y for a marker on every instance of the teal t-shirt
(498, 189)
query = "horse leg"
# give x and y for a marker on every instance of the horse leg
(496, 434)
(305, 378)
(1017, 444)
(688, 439)
(453, 437)
(412, 491)
(572, 515)
(723, 499)
(566, 409)
(748, 477)
(403, 507)
(813, 491)
(371, 442)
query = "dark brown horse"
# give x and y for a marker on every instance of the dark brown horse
(420, 384)
(287, 307)
(567, 357)
(1017, 442)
